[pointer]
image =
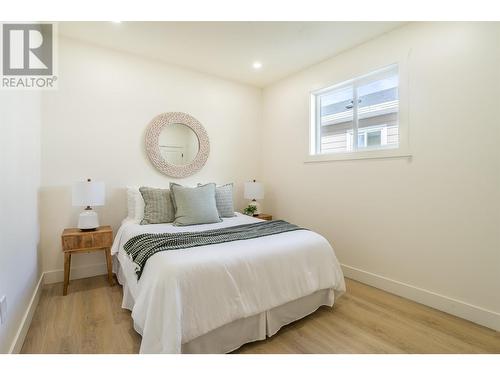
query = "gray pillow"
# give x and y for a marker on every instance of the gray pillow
(224, 200)
(158, 207)
(194, 205)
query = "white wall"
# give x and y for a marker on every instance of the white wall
(432, 221)
(94, 125)
(19, 229)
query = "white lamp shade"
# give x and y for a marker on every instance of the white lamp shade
(88, 193)
(254, 190)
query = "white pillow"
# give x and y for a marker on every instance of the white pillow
(135, 203)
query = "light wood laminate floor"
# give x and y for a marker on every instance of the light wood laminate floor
(365, 320)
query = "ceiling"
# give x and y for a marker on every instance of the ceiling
(228, 49)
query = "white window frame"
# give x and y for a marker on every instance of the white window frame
(380, 152)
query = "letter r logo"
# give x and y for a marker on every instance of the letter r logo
(27, 49)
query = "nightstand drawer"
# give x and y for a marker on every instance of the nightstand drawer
(77, 240)
(103, 239)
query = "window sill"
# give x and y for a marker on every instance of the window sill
(374, 154)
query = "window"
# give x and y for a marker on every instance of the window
(357, 115)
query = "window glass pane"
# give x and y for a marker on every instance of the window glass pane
(378, 111)
(374, 139)
(361, 140)
(336, 120)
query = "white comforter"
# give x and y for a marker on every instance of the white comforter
(184, 294)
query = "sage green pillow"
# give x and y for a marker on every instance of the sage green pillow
(158, 206)
(224, 200)
(194, 205)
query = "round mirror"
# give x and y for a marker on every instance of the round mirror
(177, 144)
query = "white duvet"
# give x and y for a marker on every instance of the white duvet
(183, 294)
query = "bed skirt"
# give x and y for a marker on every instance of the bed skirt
(233, 335)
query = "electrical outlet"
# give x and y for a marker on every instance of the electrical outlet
(3, 309)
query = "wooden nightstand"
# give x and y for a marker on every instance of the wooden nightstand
(264, 216)
(76, 241)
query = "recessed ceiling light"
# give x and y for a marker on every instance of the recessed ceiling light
(257, 65)
(116, 21)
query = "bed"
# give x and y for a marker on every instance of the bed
(215, 298)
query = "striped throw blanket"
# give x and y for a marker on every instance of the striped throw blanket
(140, 248)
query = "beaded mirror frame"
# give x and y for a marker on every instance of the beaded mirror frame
(153, 148)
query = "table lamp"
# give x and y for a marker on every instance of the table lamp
(86, 194)
(253, 191)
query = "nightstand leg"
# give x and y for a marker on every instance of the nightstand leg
(110, 267)
(67, 267)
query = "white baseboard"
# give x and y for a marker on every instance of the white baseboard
(80, 272)
(476, 314)
(18, 342)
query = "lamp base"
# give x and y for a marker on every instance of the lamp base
(88, 220)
